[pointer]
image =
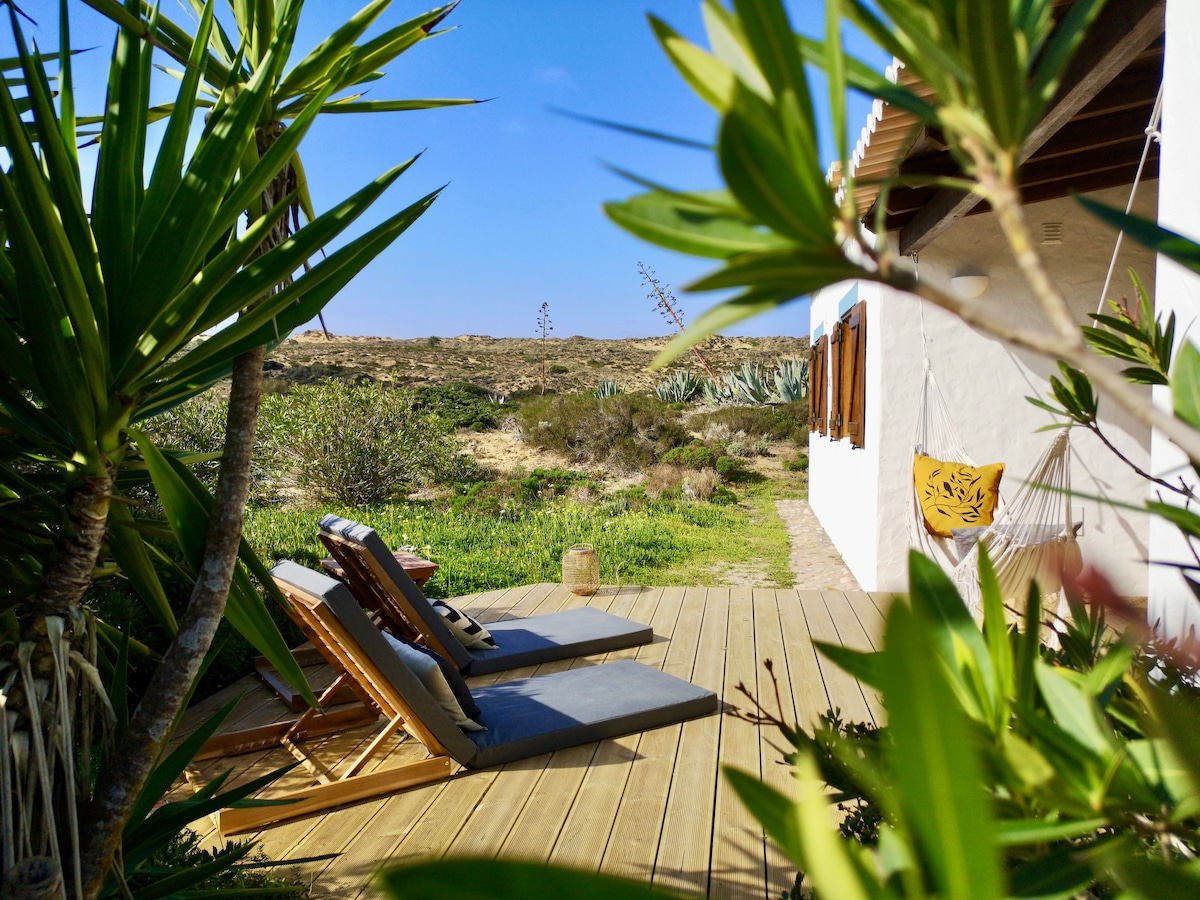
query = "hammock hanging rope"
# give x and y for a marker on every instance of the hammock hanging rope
(1030, 539)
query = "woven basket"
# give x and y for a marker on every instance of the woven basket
(581, 570)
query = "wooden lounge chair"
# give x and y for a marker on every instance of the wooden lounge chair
(523, 718)
(381, 585)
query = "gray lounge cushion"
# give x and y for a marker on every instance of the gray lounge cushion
(522, 642)
(538, 715)
(366, 537)
(573, 632)
(527, 716)
(441, 679)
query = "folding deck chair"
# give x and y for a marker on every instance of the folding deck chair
(523, 717)
(381, 585)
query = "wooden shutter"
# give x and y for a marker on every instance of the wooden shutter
(837, 341)
(852, 405)
(818, 386)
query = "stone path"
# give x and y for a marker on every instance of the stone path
(815, 561)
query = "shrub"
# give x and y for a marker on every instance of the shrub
(625, 432)
(788, 421)
(700, 485)
(558, 369)
(459, 405)
(799, 464)
(694, 456)
(357, 445)
(727, 465)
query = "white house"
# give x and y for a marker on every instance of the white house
(869, 384)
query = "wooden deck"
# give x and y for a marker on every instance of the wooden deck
(649, 806)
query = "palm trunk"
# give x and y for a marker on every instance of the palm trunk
(150, 725)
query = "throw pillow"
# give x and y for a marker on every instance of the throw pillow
(953, 495)
(469, 632)
(427, 667)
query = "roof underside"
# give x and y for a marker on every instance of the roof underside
(1092, 136)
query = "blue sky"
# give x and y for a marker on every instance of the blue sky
(520, 220)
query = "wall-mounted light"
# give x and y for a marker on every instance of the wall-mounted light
(970, 284)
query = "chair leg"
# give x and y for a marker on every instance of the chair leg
(339, 793)
(391, 728)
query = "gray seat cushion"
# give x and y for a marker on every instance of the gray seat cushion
(528, 716)
(521, 642)
(538, 715)
(561, 635)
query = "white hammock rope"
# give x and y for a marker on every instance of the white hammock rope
(1153, 135)
(1029, 536)
(1032, 538)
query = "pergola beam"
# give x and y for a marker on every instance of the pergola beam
(1121, 32)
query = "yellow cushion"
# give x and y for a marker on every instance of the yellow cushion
(955, 496)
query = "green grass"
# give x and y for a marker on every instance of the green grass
(664, 543)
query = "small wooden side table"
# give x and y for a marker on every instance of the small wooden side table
(419, 570)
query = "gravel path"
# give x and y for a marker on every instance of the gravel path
(816, 563)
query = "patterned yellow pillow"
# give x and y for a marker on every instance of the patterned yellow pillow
(953, 495)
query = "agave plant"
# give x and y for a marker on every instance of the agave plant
(746, 384)
(679, 386)
(791, 380)
(608, 388)
(98, 312)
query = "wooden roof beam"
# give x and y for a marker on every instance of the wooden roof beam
(1117, 37)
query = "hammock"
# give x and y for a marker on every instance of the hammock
(1030, 539)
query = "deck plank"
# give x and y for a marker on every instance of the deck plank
(809, 693)
(738, 855)
(769, 645)
(633, 841)
(845, 693)
(852, 634)
(685, 845)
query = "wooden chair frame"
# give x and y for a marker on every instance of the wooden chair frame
(375, 591)
(356, 670)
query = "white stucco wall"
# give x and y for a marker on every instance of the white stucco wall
(1170, 602)
(861, 496)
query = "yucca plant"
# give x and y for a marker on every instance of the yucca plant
(679, 386)
(98, 311)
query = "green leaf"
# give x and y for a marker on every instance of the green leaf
(989, 48)
(327, 55)
(1185, 384)
(771, 38)
(793, 272)
(745, 306)
(1143, 877)
(186, 505)
(758, 165)
(170, 768)
(1074, 710)
(864, 666)
(774, 811)
(697, 229)
(707, 75)
(960, 643)
(938, 773)
(1061, 874)
(1022, 832)
(501, 879)
(1174, 246)
(376, 106)
(130, 553)
(830, 862)
(995, 629)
